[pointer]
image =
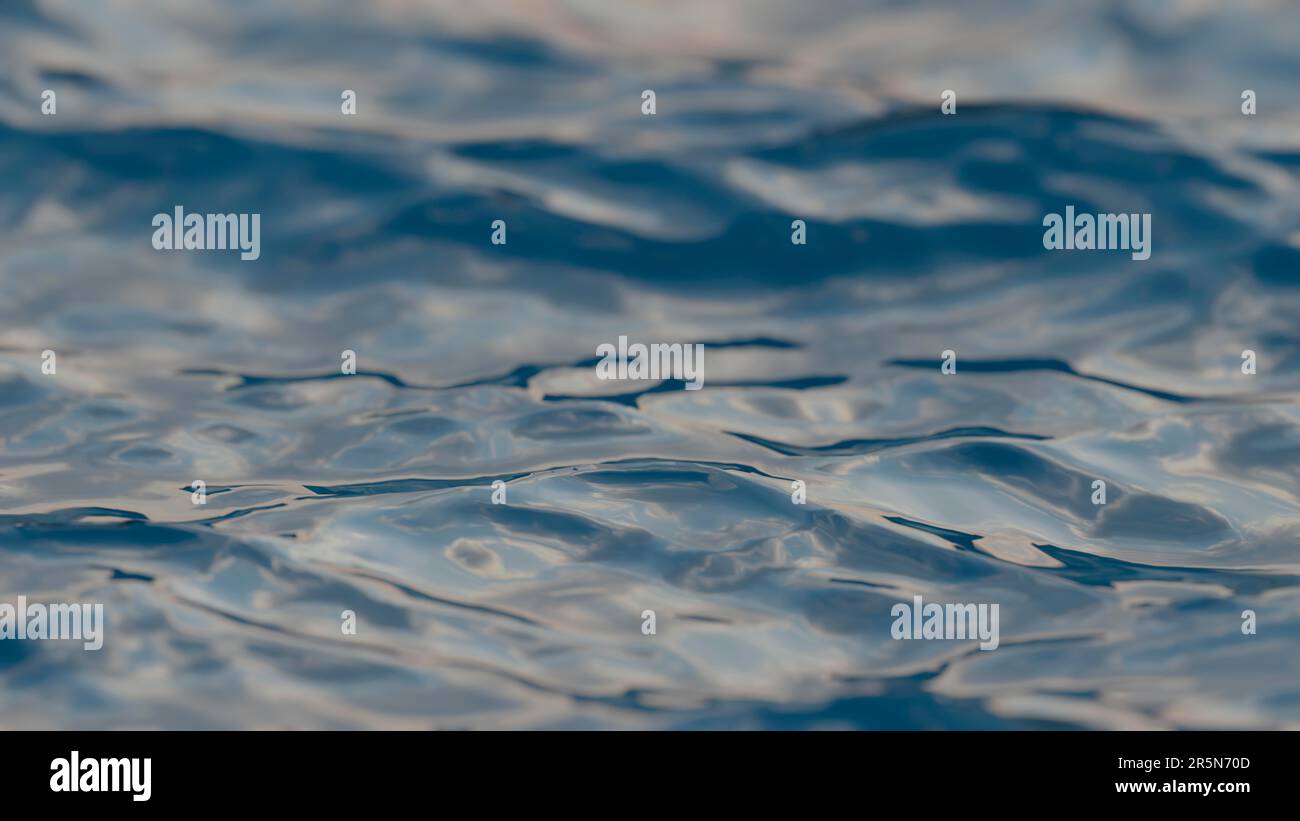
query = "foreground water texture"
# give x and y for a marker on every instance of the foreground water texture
(372, 492)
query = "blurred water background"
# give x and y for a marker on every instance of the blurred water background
(371, 492)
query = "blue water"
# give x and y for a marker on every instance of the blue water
(372, 492)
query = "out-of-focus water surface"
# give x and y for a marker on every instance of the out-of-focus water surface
(371, 493)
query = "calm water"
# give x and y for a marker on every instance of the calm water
(371, 493)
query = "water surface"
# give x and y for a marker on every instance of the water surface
(372, 492)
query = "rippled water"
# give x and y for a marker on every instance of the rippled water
(371, 492)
